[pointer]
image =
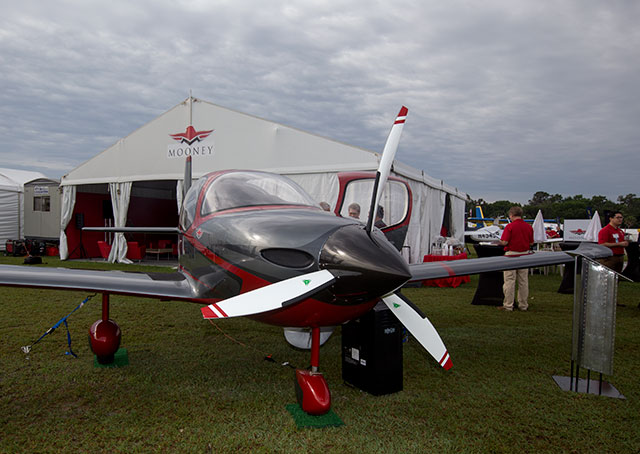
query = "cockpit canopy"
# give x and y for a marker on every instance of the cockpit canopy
(241, 189)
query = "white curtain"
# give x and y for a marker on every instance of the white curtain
(322, 187)
(457, 218)
(66, 211)
(120, 196)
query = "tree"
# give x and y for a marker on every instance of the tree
(629, 205)
(555, 206)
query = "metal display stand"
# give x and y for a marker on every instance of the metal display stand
(594, 319)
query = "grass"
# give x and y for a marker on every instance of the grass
(189, 388)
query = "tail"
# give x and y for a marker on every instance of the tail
(480, 215)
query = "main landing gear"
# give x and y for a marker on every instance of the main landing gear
(312, 390)
(105, 335)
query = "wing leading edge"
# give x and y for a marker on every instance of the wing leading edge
(154, 285)
(437, 270)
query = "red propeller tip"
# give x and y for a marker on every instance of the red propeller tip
(208, 313)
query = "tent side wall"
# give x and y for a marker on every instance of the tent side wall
(10, 214)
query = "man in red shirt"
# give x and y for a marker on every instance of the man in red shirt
(612, 236)
(517, 238)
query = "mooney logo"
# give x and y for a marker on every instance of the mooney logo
(578, 232)
(191, 135)
(190, 143)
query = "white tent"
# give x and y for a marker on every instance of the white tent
(11, 203)
(218, 138)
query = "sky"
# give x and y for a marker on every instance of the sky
(505, 97)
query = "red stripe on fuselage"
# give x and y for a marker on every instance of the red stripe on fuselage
(249, 281)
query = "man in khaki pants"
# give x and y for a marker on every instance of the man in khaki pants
(517, 239)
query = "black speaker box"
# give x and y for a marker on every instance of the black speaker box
(79, 221)
(372, 352)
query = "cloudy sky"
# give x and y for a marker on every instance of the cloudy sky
(505, 97)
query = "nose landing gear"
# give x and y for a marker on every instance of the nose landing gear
(312, 390)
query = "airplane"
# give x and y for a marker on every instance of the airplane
(255, 244)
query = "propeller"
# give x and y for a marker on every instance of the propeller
(419, 326)
(270, 297)
(408, 313)
(388, 153)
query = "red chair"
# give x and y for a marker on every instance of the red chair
(164, 244)
(105, 249)
(135, 251)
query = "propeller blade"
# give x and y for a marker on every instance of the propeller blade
(270, 297)
(420, 327)
(388, 154)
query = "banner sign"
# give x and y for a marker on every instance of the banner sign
(191, 143)
(575, 229)
(41, 190)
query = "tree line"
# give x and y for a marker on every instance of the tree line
(555, 206)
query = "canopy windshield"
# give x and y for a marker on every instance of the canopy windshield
(248, 189)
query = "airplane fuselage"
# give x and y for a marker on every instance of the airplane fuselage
(232, 251)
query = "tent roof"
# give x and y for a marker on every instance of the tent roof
(237, 140)
(14, 180)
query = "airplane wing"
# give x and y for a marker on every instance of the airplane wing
(155, 285)
(437, 270)
(167, 286)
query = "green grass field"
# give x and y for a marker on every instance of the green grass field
(189, 388)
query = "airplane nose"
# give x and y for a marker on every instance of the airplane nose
(366, 267)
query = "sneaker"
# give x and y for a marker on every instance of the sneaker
(523, 309)
(506, 309)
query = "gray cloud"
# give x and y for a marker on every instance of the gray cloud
(506, 98)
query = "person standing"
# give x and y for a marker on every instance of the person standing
(517, 239)
(612, 236)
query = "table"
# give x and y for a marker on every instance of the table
(159, 251)
(489, 291)
(454, 281)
